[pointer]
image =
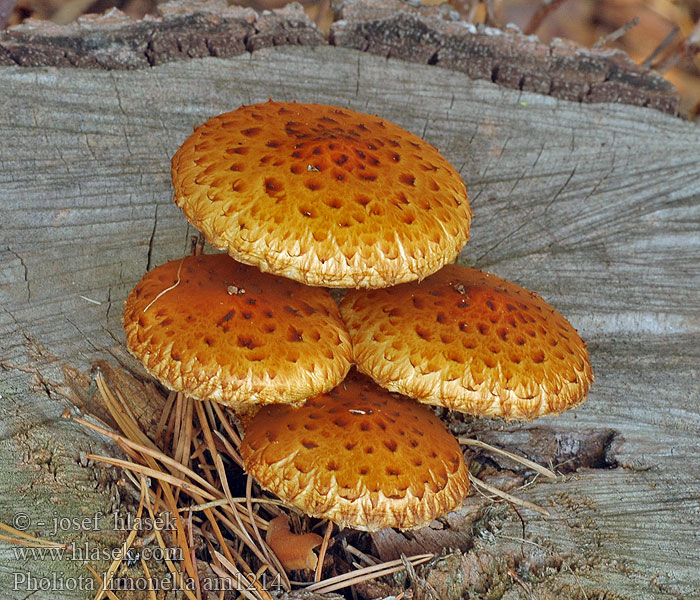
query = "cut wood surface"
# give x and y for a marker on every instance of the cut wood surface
(595, 206)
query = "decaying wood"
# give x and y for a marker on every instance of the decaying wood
(393, 28)
(561, 69)
(181, 30)
(594, 206)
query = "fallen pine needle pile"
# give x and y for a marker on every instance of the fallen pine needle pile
(220, 528)
(186, 474)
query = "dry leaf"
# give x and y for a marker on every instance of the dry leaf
(294, 550)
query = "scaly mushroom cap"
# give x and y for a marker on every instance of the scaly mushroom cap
(323, 195)
(219, 330)
(358, 456)
(469, 341)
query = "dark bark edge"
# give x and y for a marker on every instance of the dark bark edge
(186, 29)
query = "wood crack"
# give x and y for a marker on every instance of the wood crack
(149, 255)
(25, 273)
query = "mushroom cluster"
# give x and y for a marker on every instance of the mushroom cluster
(302, 195)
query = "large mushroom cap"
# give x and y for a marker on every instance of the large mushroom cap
(323, 195)
(469, 341)
(216, 329)
(358, 456)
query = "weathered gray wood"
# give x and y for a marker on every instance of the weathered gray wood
(595, 206)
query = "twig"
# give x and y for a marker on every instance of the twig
(197, 245)
(543, 11)
(617, 34)
(660, 48)
(688, 47)
(419, 586)
(494, 13)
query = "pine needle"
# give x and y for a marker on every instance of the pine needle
(507, 497)
(125, 547)
(21, 538)
(111, 595)
(322, 552)
(367, 574)
(156, 454)
(190, 488)
(147, 574)
(168, 562)
(267, 551)
(519, 459)
(370, 560)
(167, 409)
(237, 582)
(260, 522)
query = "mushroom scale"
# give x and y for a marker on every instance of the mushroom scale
(324, 195)
(216, 329)
(359, 456)
(469, 341)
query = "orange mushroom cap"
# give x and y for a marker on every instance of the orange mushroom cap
(324, 195)
(216, 329)
(469, 341)
(359, 456)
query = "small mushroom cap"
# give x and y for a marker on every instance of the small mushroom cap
(219, 330)
(359, 456)
(324, 195)
(469, 341)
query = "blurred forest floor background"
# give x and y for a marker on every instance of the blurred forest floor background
(663, 35)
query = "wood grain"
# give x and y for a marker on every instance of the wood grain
(597, 207)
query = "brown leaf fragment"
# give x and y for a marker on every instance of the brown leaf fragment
(294, 550)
